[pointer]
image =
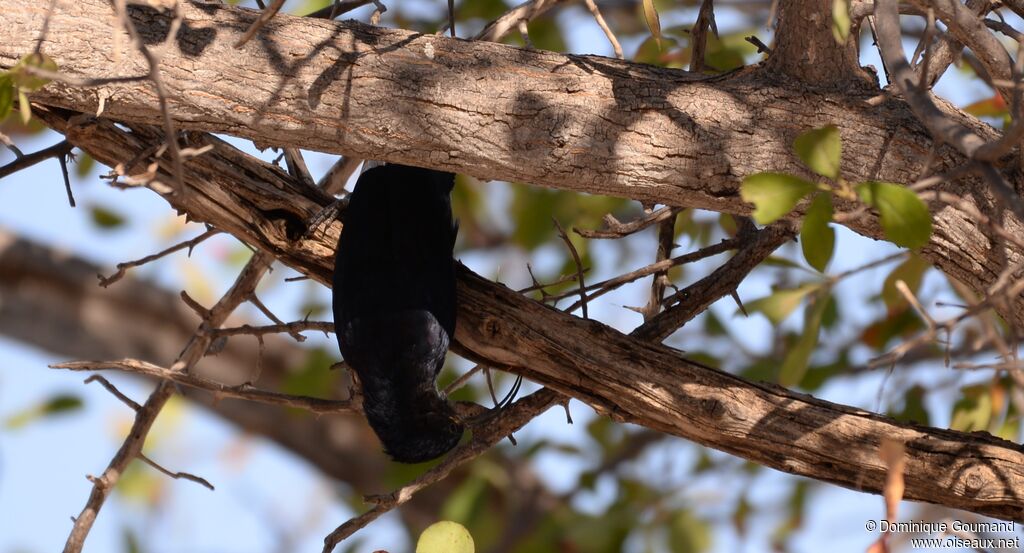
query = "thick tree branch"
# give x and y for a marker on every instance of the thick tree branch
(805, 49)
(576, 122)
(630, 380)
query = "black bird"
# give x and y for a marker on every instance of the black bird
(394, 305)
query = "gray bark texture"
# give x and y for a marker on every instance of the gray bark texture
(575, 122)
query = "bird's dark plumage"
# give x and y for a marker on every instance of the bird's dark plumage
(394, 305)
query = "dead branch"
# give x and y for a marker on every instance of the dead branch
(131, 448)
(247, 392)
(187, 244)
(694, 299)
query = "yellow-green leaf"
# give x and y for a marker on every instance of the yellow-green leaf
(27, 81)
(820, 150)
(445, 537)
(653, 21)
(841, 20)
(911, 273)
(989, 107)
(773, 194)
(6, 95)
(24, 108)
(778, 306)
(817, 238)
(794, 366)
(904, 217)
(105, 218)
(58, 404)
(974, 411)
(84, 164)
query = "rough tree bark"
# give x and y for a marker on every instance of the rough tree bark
(575, 122)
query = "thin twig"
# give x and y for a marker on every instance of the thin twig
(904, 291)
(297, 166)
(541, 286)
(666, 236)
(265, 16)
(594, 11)
(614, 229)
(135, 366)
(25, 161)
(722, 282)
(462, 380)
(946, 326)
(510, 20)
(601, 288)
(113, 390)
(337, 8)
(253, 299)
(123, 267)
(176, 475)
(579, 267)
(762, 48)
(67, 179)
(153, 61)
(147, 414)
(46, 28)
(290, 328)
(333, 181)
(699, 34)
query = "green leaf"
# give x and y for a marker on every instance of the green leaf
(25, 80)
(973, 412)
(728, 224)
(989, 107)
(312, 378)
(545, 34)
(688, 534)
(24, 108)
(773, 194)
(778, 306)
(58, 404)
(445, 537)
(726, 52)
(653, 21)
(900, 324)
(820, 150)
(783, 263)
(665, 52)
(911, 273)
(466, 500)
(817, 238)
(841, 20)
(905, 219)
(6, 95)
(84, 164)
(105, 218)
(794, 366)
(913, 407)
